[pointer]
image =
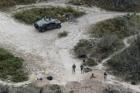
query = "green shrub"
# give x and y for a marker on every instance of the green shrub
(121, 26)
(106, 46)
(82, 2)
(77, 2)
(11, 67)
(98, 49)
(127, 64)
(32, 15)
(9, 3)
(90, 62)
(25, 1)
(117, 5)
(62, 34)
(83, 47)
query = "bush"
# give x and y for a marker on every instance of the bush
(117, 5)
(11, 67)
(90, 62)
(133, 83)
(109, 43)
(62, 34)
(121, 26)
(97, 49)
(82, 2)
(9, 3)
(106, 46)
(83, 47)
(32, 15)
(127, 63)
(25, 1)
(78, 2)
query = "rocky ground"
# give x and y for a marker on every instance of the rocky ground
(89, 86)
(46, 54)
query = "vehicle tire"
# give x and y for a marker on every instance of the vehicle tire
(59, 26)
(41, 30)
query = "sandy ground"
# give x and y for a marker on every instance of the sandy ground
(46, 54)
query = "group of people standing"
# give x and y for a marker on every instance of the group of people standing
(82, 71)
(81, 68)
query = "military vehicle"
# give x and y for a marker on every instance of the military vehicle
(45, 24)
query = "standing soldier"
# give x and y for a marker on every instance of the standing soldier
(82, 68)
(105, 75)
(84, 60)
(73, 68)
(67, 17)
(92, 76)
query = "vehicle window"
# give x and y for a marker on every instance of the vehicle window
(52, 23)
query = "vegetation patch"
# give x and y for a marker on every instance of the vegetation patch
(82, 2)
(9, 3)
(117, 5)
(127, 63)
(11, 67)
(32, 15)
(62, 34)
(83, 47)
(121, 26)
(109, 36)
(90, 62)
(106, 46)
(96, 50)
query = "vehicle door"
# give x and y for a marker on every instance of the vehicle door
(52, 25)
